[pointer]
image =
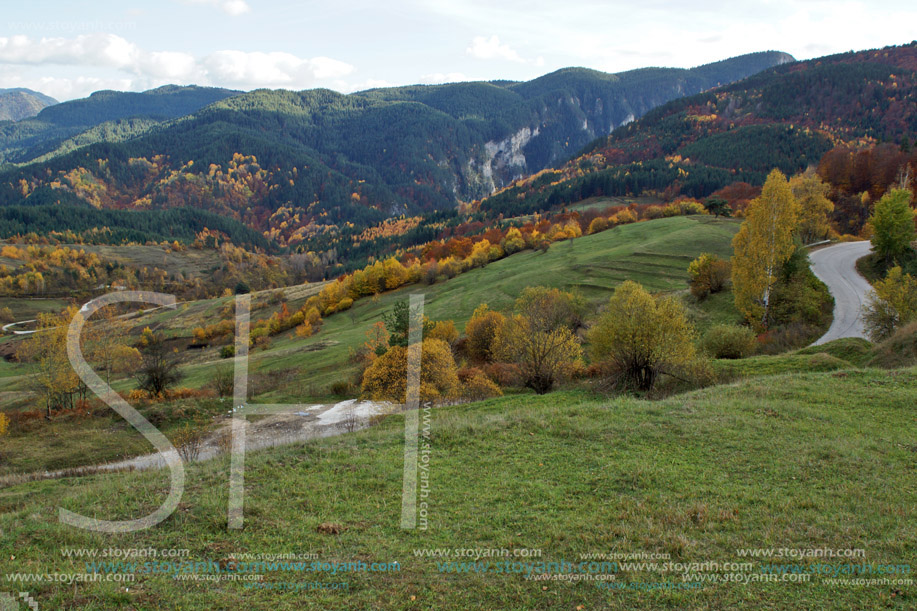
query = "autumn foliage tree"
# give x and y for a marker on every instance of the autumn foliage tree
(54, 379)
(892, 223)
(444, 330)
(480, 333)
(551, 308)
(539, 338)
(762, 245)
(640, 337)
(108, 344)
(544, 356)
(478, 387)
(814, 206)
(892, 304)
(708, 275)
(386, 378)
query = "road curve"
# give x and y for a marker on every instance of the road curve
(836, 267)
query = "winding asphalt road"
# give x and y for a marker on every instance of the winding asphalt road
(836, 267)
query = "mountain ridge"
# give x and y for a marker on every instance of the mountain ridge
(32, 138)
(19, 103)
(316, 158)
(784, 117)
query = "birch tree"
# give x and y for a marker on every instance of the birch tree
(53, 378)
(762, 245)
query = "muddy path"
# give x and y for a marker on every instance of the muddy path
(261, 431)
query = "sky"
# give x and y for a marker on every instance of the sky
(69, 49)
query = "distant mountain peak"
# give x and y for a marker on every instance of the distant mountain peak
(20, 103)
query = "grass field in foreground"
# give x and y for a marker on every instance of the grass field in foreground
(818, 460)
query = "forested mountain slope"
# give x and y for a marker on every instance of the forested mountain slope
(17, 104)
(786, 117)
(293, 164)
(103, 116)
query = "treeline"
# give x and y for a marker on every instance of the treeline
(23, 141)
(658, 176)
(122, 226)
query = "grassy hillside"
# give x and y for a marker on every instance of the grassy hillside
(796, 461)
(655, 254)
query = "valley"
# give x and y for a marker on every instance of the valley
(642, 339)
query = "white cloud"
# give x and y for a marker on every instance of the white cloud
(246, 70)
(230, 7)
(326, 68)
(64, 88)
(613, 37)
(168, 65)
(106, 50)
(271, 69)
(491, 48)
(439, 78)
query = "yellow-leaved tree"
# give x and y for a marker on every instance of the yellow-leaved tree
(814, 206)
(53, 378)
(480, 333)
(892, 304)
(540, 339)
(639, 337)
(762, 245)
(708, 275)
(386, 378)
(444, 330)
(108, 343)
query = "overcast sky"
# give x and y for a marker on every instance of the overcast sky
(69, 49)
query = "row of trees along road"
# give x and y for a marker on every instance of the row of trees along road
(789, 214)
